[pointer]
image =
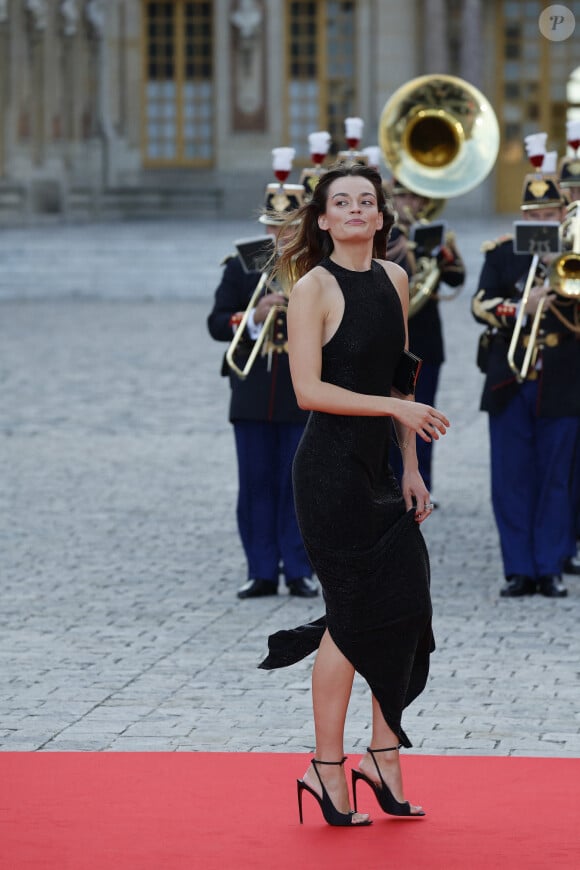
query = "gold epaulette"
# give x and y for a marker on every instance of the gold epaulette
(227, 259)
(493, 243)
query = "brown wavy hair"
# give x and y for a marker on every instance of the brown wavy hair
(305, 244)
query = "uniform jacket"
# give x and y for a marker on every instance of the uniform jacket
(494, 304)
(425, 328)
(263, 395)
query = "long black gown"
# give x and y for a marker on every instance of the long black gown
(367, 550)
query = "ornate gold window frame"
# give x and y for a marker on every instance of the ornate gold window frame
(321, 70)
(177, 83)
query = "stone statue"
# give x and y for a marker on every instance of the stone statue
(70, 16)
(248, 19)
(38, 13)
(95, 12)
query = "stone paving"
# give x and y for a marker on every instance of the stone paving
(119, 556)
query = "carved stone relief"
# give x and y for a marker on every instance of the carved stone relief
(247, 19)
(70, 16)
(38, 13)
(95, 14)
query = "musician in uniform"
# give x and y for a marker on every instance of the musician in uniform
(569, 180)
(267, 421)
(534, 425)
(425, 327)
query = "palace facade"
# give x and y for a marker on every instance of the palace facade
(137, 106)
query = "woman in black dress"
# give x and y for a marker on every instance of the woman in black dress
(347, 331)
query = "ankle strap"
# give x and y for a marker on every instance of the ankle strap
(388, 749)
(315, 764)
(372, 753)
(315, 761)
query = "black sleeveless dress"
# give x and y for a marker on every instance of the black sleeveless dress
(366, 549)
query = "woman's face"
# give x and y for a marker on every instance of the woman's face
(352, 211)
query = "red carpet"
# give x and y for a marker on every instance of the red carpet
(163, 811)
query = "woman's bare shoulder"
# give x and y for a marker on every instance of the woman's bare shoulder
(313, 284)
(395, 272)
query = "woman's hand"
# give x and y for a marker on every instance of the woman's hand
(427, 422)
(416, 495)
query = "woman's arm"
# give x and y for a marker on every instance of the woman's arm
(405, 434)
(413, 487)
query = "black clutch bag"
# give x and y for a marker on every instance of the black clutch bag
(406, 373)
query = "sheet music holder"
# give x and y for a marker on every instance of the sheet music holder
(537, 237)
(428, 237)
(255, 253)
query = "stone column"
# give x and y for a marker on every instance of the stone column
(69, 20)
(122, 71)
(96, 15)
(436, 54)
(70, 17)
(37, 21)
(4, 82)
(471, 42)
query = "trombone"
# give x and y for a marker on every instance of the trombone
(269, 339)
(563, 278)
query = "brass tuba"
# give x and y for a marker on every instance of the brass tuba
(440, 137)
(423, 283)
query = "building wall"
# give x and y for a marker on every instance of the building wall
(72, 92)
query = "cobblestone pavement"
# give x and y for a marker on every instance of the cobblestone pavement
(119, 555)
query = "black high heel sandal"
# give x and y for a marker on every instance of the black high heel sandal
(387, 801)
(329, 811)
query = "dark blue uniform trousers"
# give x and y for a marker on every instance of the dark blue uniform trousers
(531, 485)
(576, 489)
(266, 515)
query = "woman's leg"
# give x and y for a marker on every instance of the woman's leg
(332, 678)
(384, 737)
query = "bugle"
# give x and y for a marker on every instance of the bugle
(563, 279)
(265, 342)
(522, 372)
